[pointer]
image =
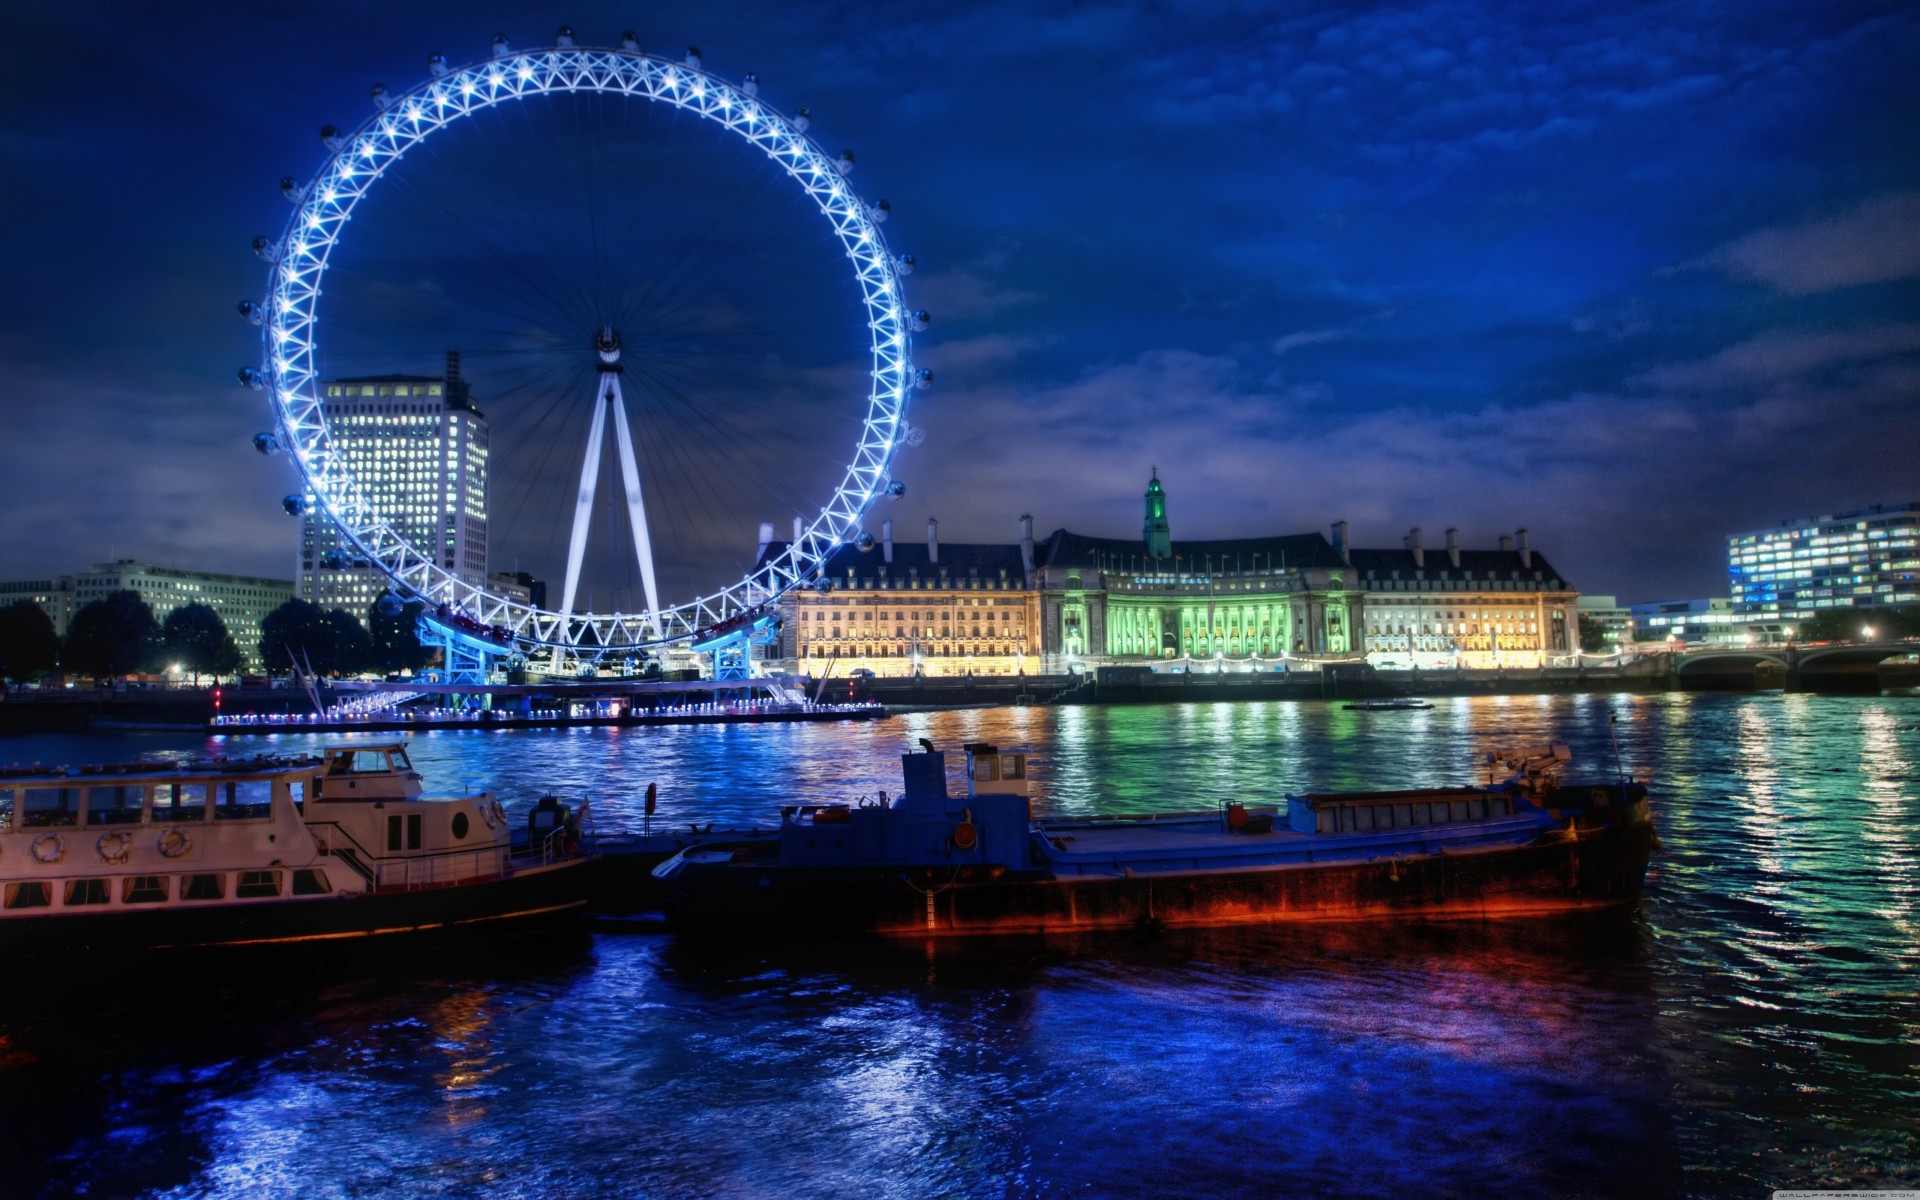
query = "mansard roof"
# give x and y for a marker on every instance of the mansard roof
(960, 560)
(1479, 564)
(1065, 548)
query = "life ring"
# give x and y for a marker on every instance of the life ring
(490, 813)
(49, 848)
(175, 842)
(965, 836)
(114, 847)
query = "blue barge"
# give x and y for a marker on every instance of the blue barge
(931, 863)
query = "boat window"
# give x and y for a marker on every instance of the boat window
(1014, 766)
(88, 891)
(175, 802)
(203, 887)
(411, 833)
(311, 883)
(145, 889)
(370, 761)
(243, 799)
(115, 804)
(400, 760)
(49, 806)
(297, 792)
(1499, 806)
(29, 895)
(6, 809)
(254, 884)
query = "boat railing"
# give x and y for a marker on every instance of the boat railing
(436, 869)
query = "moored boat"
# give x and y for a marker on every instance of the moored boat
(930, 863)
(268, 850)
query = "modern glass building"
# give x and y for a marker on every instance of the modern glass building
(1864, 559)
(418, 446)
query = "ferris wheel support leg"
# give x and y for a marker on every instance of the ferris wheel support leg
(636, 511)
(583, 507)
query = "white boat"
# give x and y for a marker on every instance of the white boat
(267, 850)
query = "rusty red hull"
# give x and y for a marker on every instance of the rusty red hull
(1602, 870)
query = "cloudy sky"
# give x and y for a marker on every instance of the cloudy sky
(1632, 276)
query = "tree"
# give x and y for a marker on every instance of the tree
(396, 644)
(1593, 634)
(301, 633)
(349, 648)
(28, 644)
(1850, 624)
(114, 636)
(197, 639)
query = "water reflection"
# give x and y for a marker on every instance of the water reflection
(1752, 1026)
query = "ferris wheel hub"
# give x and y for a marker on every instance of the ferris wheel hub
(607, 342)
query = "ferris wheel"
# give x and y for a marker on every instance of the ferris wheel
(615, 342)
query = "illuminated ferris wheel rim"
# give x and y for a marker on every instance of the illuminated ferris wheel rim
(356, 160)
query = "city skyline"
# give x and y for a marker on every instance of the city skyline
(1633, 284)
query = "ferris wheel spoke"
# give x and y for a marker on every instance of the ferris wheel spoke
(522, 285)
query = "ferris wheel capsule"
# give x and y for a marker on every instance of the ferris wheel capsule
(879, 211)
(381, 96)
(693, 57)
(390, 605)
(252, 378)
(251, 312)
(292, 189)
(896, 489)
(333, 560)
(750, 84)
(266, 443)
(266, 248)
(563, 37)
(501, 48)
(294, 504)
(844, 162)
(923, 379)
(921, 319)
(802, 117)
(332, 138)
(630, 41)
(864, 543)
(903, 265)
(436, 65)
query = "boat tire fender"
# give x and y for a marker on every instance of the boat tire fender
(175, 842)
(114, 847)
(49, 848)
(965, 836)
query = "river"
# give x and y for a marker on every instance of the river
(1754, 1024)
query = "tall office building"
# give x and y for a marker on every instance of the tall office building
(418, 447)
(1864, 559)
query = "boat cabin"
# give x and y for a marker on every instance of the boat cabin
(369, 773)
(925, 825)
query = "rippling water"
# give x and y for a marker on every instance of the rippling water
(1755, 1024)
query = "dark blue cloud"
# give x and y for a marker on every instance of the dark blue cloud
(1610, 272)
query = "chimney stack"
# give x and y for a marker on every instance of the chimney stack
(453, 366)
(766, 539)
(1453, 547)
(1026, 544)
(1526, 549)
(1419, 550)
(933, 540)
(1506, 542)
(886, 540)
(1340, 542)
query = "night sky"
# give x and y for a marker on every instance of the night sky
(1631, 276)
